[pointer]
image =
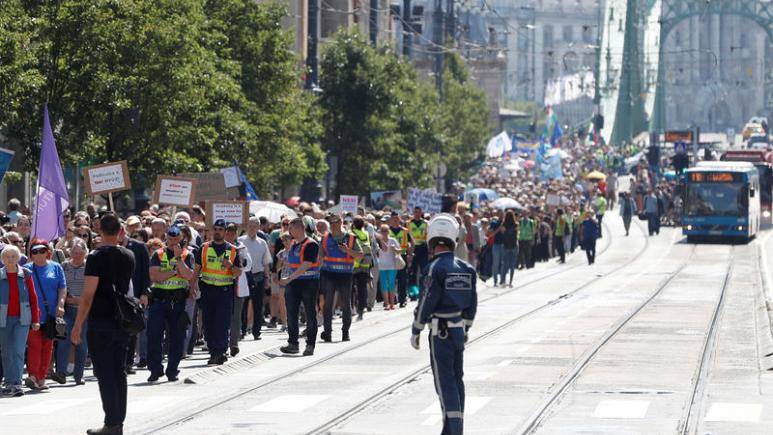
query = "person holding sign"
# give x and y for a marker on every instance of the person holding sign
(217, 272)
(170, 271)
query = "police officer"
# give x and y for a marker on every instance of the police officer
(417, 227)
(170, 271)
(215, 264)
(448, 303)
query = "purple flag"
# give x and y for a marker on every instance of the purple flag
(52, 198)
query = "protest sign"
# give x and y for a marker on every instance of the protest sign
(107, 178)
(211, 186)
(231, 176)
(176, 191)
(429, 201)
(236, 212)
(391, 198)
(348, 203)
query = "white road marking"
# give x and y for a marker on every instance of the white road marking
(289, 403)
(749, 412)
(340, 372)
(505, 363)
(151, 404)
(47, 407)
(621, 409)
(472, 404)
(536, 340)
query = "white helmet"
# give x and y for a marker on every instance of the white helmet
(442, 226)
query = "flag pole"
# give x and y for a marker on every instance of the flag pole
(110, 198)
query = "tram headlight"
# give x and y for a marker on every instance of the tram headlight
(688, 227)
(766, 214)
(741, 228)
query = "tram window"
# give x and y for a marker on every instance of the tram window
(751, 192)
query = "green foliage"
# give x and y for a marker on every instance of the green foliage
(170, 85)
(386, 126)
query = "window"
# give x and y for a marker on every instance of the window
(547, 36)
(568, 34)
(587, 34)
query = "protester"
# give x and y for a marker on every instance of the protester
(51, 288)
(588, 235)
(388, 253)
(260, 263)
(19, 317)
(74, 270)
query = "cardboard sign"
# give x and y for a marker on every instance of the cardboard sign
(106, 178)
(232, 178)
(391, 198)
(429, 201)
(553, 200)
(175, 191)
(211, 186)
(348, 203)
(236, 212)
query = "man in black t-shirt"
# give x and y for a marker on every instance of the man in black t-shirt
(108, 269)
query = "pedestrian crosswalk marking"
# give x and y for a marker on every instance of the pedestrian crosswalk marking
(472, 404)
(738, 412)
(47, 407)
(151, 404)
(289, 403)
(621, 409)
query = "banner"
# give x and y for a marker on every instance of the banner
(107, 178)
(348, 203)
(235, 212)
(6, 156)
(428, 200)
(391, 198)
(175, 191)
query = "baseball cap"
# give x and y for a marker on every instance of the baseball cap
(132, 220)
(173, 231)
(219, 223)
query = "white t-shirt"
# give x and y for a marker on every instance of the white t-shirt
(386, 258)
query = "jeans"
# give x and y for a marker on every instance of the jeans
(653, 223)
(138, 341)
(420, 260)
(590, 250)
(63, 346)
(509, 262)
(600, 217)
(361, 284)
(165, 315)
(13, 340)
(238, 321)
(525, 253)
(107, 347)
(402, 283)
(302, 290)
(340, 283)
(190, 333)
(257, 292)
(497, 260)
(216, 303)
(560, 247)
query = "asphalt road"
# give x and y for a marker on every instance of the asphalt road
(658, 337)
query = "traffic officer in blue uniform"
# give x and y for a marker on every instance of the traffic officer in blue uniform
(171, 269)
(448, 304)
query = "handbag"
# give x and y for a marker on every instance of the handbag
(55, 327)
(399, 262)
(128, 311)
(642, 216)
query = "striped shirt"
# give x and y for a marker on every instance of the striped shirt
(74, 278)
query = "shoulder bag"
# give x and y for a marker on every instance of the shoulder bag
(128, 310)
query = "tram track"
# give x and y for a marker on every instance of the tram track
(542, 411)
(275, 379)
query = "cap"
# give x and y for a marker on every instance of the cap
(173, 231)
(219, 223)
(132, 220)
(394, 214)
(231, 227)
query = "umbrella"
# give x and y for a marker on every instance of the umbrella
(528, 164)
(294, 201)
(271, 210)
(596, 175)
(484, 194)
(506, 203)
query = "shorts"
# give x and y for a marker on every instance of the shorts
(387, 280)
(277, 289)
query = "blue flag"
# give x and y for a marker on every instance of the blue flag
(248, 190)
(52, 198)
(6, 156)
(557, 133)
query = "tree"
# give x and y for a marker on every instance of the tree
(170, 85)
(378, 119)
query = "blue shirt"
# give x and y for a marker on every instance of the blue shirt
(48, 279)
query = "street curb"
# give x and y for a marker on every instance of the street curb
(211, 373)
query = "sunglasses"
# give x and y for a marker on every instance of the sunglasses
(39, 251)
(16, 242)
(285, 224)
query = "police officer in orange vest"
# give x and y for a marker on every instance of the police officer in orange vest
(339, 251)
(170, 271)
(215, 264)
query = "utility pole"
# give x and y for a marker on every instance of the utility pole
(438, 45)
(373, 20)
(407, 28)
(312, 60)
